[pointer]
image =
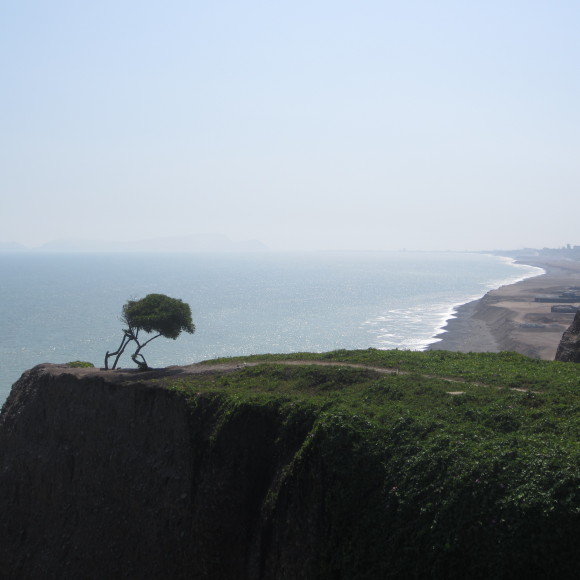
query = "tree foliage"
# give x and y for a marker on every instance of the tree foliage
(156, 313)
(159, 313)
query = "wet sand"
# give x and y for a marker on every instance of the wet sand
(509, 319)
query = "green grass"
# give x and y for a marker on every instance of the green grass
(80, 364)
(505, 369)
(477, 473)
(549, 406)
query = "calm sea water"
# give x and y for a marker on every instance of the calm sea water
(63, 307)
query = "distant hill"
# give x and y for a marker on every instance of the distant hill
(191, 243)
(11, 247)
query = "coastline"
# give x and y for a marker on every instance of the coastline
(508, 318)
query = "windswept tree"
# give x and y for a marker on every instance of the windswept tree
(156, 313)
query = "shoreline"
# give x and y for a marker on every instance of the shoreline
(508, 318)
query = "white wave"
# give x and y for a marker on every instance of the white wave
(417, 326)
(526, 271)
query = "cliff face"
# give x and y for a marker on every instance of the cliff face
(569, 347)
(110, 479)
(276, 472)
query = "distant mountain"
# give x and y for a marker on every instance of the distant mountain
(11, 247)
(191, 243)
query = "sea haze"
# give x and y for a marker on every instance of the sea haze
(63, 307)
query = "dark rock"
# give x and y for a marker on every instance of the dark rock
(102, 478)
(569, 347)
(113, 475)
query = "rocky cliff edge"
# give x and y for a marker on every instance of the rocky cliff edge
(267, 472)
(110, 475)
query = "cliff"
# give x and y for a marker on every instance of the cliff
(201, 472)
(107, 477)
(569, 347)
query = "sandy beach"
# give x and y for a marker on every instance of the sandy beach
(509, 318)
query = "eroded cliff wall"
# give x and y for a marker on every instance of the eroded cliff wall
(114, 478)
(569, 347)
(132, 475)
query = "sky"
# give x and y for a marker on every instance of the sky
(307, 125)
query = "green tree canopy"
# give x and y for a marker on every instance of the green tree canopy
(158, 313)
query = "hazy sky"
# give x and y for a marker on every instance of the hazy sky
(305, 124)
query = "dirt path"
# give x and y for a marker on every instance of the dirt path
(380, 370)
(125, 375)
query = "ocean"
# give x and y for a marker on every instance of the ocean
(64, 307)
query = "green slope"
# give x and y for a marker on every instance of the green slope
(431, 464)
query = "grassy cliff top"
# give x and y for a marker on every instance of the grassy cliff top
(504, 369)
(481, 452)
(504, 398)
